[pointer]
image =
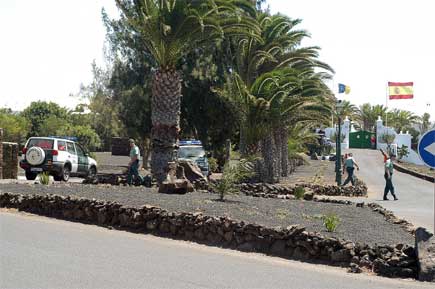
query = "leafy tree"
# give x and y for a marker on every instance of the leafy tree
(38, 112)
(15, 127)
(85, 135)
(103, 116)
(169, 29)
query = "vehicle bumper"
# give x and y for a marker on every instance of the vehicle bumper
(51, 168)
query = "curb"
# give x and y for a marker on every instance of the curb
(414, 173)
(293, 242)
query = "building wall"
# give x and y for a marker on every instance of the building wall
(399, 140)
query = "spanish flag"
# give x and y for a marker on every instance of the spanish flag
(400, 90)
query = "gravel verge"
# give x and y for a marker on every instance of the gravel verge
(356, 224)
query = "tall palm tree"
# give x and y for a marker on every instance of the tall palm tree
(277, 48)
(369, 114)
(424, 122)
(348, 110)
(294, 96)
(168, 30)
(401, 119)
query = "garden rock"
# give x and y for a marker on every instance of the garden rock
(425, 246)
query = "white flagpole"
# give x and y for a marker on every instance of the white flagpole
(386, 108)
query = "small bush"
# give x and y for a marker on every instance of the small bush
(232, 175)
(331, 222)
(299, 193)
(44, 178)
(213, 165)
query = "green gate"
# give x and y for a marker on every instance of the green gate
(361, 139)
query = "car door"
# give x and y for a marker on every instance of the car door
(83, 163)
(72, 156)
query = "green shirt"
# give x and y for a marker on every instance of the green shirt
(389, 166)
(135, 152)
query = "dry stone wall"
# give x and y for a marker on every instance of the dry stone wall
(9, 163)
(292, 242)
(1, 153)
(286, 192)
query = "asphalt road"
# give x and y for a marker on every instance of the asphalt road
(38, 252)
(416, 196)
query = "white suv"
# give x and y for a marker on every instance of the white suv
(60, 157)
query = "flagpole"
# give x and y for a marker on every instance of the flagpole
(386, 108)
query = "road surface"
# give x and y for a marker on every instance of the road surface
(416, 196)
(38, 252)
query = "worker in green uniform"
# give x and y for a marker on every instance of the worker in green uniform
(133, 165)
(388, 175)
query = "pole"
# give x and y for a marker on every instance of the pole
(338, 145)
(339, 152)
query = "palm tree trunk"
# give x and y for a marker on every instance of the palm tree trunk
(284, 152)
(277, 156)
(242, 141)
(269, 152)
(165, 117)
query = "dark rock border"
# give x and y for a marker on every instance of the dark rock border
(293, 242)
(389, 215)
(287, 191)
(414, 173)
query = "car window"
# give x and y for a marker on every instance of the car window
(61, 145)
(191, 152)
(70, 148)
(42, 143)
(80, 151)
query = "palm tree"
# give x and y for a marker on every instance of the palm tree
(276, 48)
(401, 119)
(294, 96)
(348, 109)
(369, 114)
(424, 122)
(168, 30)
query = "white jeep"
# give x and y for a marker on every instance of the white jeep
(60, 157)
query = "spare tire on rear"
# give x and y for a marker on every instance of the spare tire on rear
(35, 156)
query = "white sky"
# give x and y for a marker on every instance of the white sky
(47, 47)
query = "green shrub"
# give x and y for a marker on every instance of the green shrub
(299, 193)
(388, 138)
(331, 221)
(44, 178)
(213, 164)
(402, 151)
(232, 175)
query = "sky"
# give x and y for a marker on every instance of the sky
(48, 46)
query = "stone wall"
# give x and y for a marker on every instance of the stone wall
(293, 242)
(10, 160)
(1, 153)
(287, 191)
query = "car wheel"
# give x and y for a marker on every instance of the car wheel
(30, 176)
(92, 172)
(66, 173)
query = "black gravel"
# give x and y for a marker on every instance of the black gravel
(356, 224)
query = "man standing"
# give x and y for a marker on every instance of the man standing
(350, 164)
(388, 177)
(133, 165)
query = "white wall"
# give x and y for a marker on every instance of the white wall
(399, 140)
